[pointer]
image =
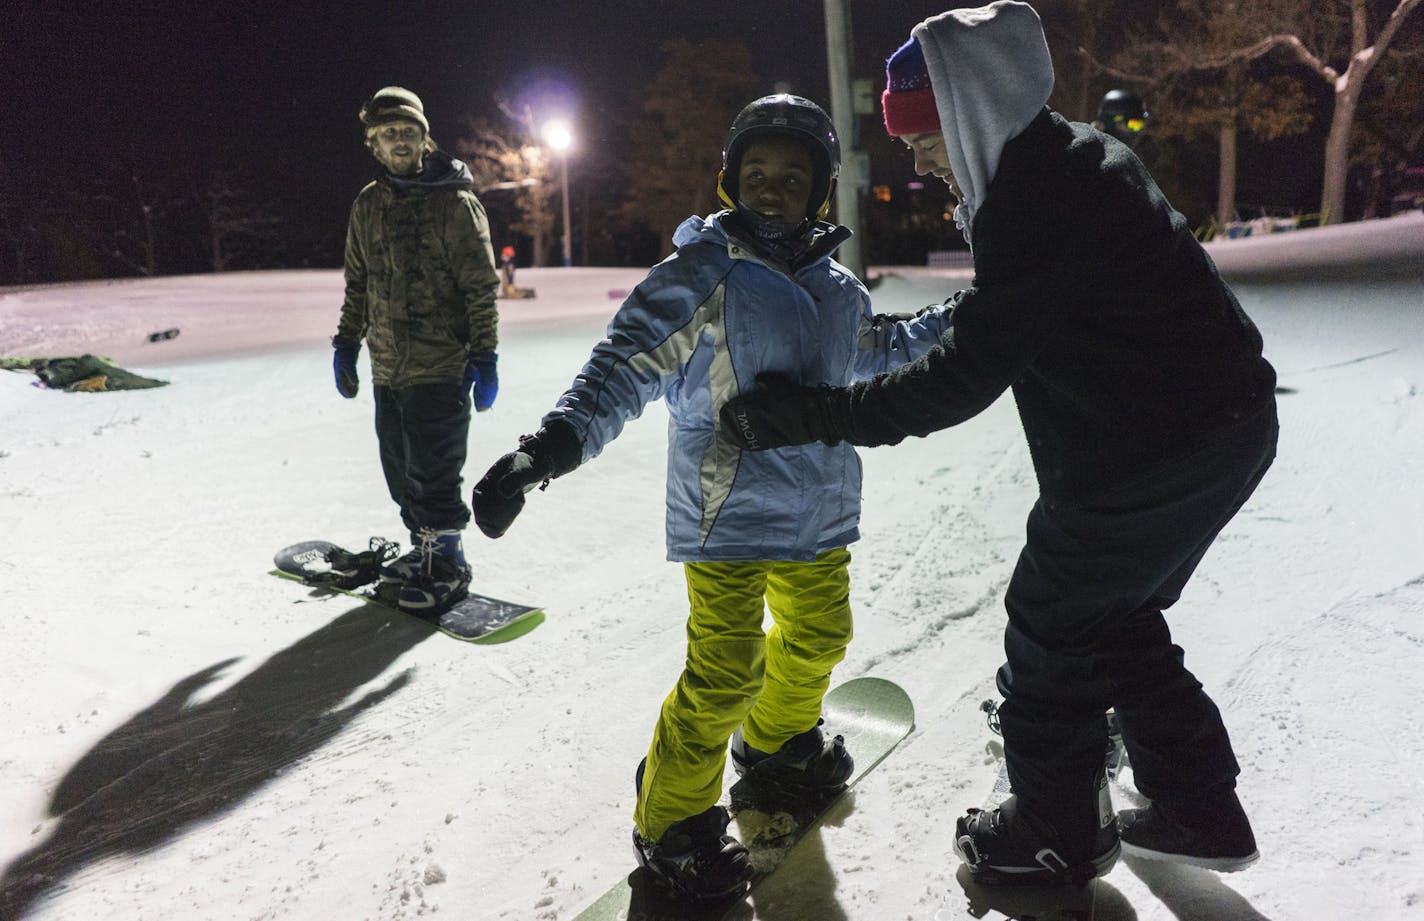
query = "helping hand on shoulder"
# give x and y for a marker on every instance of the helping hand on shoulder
(780, 412)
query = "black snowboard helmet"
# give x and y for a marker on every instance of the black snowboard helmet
(1122, 115)
(783, 113)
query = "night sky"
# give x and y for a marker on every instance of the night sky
(174, 88)
(285, 80)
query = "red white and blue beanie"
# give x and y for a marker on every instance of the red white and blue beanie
(909, 101)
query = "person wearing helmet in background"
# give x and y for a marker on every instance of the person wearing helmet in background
(420, 290)
(1150, 417)
(750, 290)
(1122, 115)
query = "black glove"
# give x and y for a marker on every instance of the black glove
(343, 364)
(551, 452)
(779, 413)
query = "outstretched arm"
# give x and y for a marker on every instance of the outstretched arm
(997, 332)
(499, 495)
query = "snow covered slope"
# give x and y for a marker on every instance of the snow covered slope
(186, 737)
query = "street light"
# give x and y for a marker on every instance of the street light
(560, 137)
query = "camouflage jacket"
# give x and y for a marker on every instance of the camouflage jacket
(420, 275)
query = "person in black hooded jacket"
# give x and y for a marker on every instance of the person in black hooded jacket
(1150, 418)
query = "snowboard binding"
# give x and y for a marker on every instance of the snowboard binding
(348, 570)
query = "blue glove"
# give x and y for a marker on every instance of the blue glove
(481, 379)
(343, 364)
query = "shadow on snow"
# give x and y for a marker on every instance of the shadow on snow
(180, 762)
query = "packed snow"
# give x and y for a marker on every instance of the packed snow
(187, 737)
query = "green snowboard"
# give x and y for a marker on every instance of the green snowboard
(474, 619)
(871, 713)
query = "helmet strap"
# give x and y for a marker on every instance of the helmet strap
(722, 194)
(825, 208)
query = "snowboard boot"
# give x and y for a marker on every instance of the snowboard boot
(352, 570)
(441, 578)
(807, 764)
(697, 859)
(1008, 847)
(401, 569)
(1211, 832)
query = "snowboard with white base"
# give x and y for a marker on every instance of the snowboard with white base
(474, 619)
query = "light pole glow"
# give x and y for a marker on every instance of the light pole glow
(560, 137)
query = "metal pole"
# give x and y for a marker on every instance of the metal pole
(568, 240)
(843, 117)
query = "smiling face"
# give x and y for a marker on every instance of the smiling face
(399, 146)
(775, 177)
(932, 158)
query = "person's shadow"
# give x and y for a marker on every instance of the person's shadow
(179, 762)
(1191, 893)
(804, 882)
(1095, 900)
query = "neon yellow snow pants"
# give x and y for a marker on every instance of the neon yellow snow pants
(769, 683)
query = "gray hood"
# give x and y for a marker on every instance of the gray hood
(991, 73)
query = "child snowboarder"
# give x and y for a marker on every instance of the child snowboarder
(751, 290)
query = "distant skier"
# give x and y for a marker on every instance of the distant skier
(506, 269)
(750, 290)
(420, 290)
(1150, 417)
(1122, 115)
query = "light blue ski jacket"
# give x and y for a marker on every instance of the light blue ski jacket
(700, 327)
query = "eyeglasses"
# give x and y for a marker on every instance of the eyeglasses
(401, 132)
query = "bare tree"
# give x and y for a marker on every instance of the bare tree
(241, 224)
(1200, 87)
(1348, 33)
(1389, 131)
(1369, 42)
(677, 145)
(19, 230)
(512, 160)
(128, 209)
(1081, 33)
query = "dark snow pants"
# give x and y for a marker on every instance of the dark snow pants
(1086, 632)
(423, 432)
